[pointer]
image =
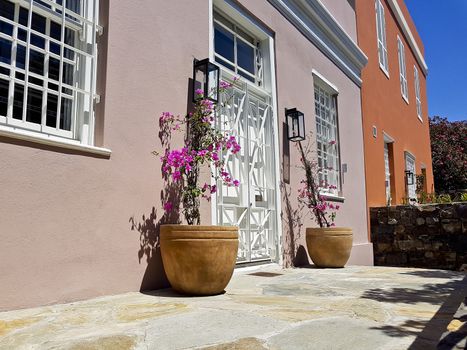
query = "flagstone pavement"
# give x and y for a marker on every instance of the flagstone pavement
(263, 307)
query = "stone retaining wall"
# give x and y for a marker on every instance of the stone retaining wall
(429, 236)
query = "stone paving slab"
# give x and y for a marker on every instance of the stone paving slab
(307, 308)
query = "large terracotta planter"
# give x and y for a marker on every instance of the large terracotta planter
(329, 246)
(199, 260)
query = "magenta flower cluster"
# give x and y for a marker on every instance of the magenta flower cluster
(204, 145)
(317, 203)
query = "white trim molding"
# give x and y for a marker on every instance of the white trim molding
(325, 81)
(51, 140)
(318, 25)
(408, 35)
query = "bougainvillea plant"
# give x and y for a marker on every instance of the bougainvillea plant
(324, 212)
(203, 146)
(449, 154)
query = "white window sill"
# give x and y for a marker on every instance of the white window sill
(332, 197)
(386, 73)
(406, 99)
(420, 118)
(54, 141)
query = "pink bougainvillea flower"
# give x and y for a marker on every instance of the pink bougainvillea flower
(224, 84)
(168, 206)
(176, 175)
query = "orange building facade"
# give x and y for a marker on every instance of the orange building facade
(394, 104)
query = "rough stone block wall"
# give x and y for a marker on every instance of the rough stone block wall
(429, 236)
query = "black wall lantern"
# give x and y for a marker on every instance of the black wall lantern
(206, 78)
(409, 178)
(295, 125)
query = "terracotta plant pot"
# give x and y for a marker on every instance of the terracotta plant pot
(329, 246)
(199, 260)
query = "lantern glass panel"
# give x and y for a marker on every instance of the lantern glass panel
(213, 82)
(291, 123)
(301, 125)
(199, 79)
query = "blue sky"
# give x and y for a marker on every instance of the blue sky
(442, 24)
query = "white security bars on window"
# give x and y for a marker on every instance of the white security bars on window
(381, 33)
(327, 141)
(417, 92)
(48, 66)
(402, 69)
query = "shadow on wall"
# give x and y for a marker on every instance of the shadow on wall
(294, 254)
(149, 225)
(449, 295)
(352, 4)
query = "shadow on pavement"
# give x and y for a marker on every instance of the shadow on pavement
(449, 295)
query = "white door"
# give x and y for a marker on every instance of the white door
(410, 166)
(387, 172)
(252, 205)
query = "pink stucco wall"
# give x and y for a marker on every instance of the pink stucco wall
(66, 217)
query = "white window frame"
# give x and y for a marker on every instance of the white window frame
(417, 93)
(329, 175)
(402, 69)
(381, 38)
(83, 91)
(237, 34)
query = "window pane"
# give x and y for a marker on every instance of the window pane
(21, 56)
(55, 31)
(67, 77)
(38, 41)
(38, 23)
(7, 9)
(54, 68)
(36, 81)
(5, 51)
(36, 62)
(65, 114)
(34, 106)
(23, 16)
(70, 36)
(6, 28)
(54, 48)
(18, 102)
(52, 102)
(53, 86)
(224, 43)
(245, 56)
(3, 96)
(73, 5)
(22, 34)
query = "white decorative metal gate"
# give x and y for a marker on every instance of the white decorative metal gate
(247, 114)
